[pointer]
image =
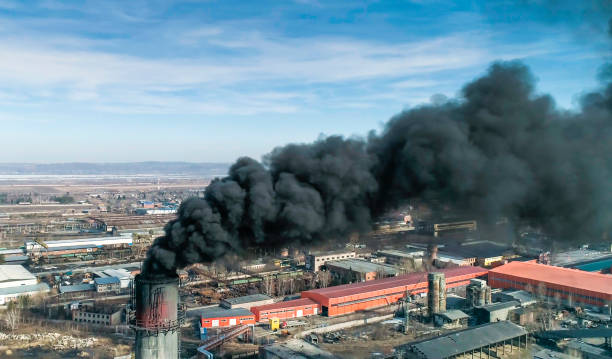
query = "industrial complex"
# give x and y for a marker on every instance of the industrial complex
(406, 290)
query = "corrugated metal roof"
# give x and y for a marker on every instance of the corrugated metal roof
(574, 278)
(499, 306)
(521, 296)
(453, 314)
(15, 258)
(12, 272)
(40, 287)
(106, 280)
(247, 299)
(12, 251)
(467, 340)
(392, 282)
(361, 266)
(67, 248)
(411, 253)
(76, 288)
(219, 312)
(287, 304)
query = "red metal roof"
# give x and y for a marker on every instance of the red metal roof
(393, 282)
(287, 304)
(574, 278)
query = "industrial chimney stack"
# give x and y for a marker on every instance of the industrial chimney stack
(157, 319)
(436, 293)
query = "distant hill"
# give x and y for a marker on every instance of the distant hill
(127, 168)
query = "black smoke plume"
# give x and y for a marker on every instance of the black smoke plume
(500, 149)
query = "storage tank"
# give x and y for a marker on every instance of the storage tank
(156, 319)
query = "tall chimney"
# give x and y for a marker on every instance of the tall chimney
(436, 293)
(157, 319)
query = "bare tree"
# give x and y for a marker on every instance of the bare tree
(380, 273)
(268, 285)
(292, 285)
(12, 316)
(324, 278)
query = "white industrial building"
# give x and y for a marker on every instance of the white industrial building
(16, 281)
(98, 242)
(15, 276)
(124, 276)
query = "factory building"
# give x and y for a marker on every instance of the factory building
(315, 261)
(350, 298)
(481, 253)
(359, 270)
(477, 293)
(9, 294)
(118, 241)
(107, 284)
(218, 317)
(495, 312)
(521, 296)
(572, 286)
(500, 337)
(124, 276)
(15, 276)
(397, 258)
(297, 308)
(246, 301)
(64, 251)
(451, 319)
(100, 317)
(16, 281)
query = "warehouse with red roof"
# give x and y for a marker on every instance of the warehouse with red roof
(570, 285)
(349, 298)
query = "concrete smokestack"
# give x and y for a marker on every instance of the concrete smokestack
(157, 319)
(436, 293)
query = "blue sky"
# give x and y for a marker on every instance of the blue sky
(203, 81)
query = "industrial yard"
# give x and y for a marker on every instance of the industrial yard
(78, 281)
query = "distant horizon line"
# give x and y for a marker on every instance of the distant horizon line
(113, 162)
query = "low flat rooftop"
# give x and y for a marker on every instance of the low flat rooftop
(106, 280)
(40, 287)
(479, 249)
(219, 312)
(408, 253)
(76, 288)
(331, 253)
(453, 314)
(499, 306)
(362, 266)
(570, 258)
(12, 272)
(247, 299)
(287, 304)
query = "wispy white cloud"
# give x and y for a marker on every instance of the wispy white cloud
(249, 71)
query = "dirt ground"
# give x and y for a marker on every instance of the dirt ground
(361, 342)
(30, 342)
